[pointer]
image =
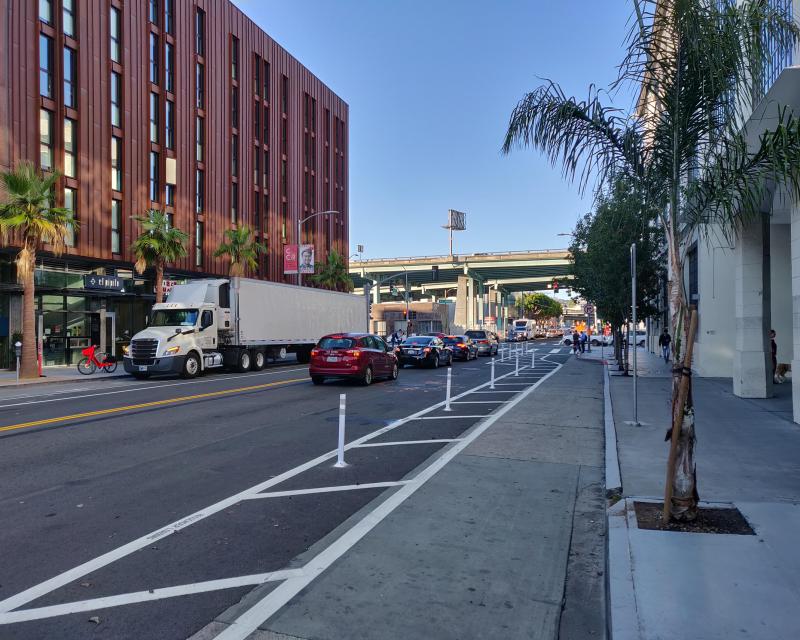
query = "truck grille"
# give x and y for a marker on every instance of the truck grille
(143, 351)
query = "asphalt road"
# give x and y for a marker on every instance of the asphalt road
(119, 488)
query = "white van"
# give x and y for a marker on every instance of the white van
(521, 330)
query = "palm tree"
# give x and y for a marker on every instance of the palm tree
(333, 274)
(684, 147)
(158, 245)
(242, 250)
(27, 213)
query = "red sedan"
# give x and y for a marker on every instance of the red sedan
(361, 356)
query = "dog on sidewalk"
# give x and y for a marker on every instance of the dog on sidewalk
(780, 372)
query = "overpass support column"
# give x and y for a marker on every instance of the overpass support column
(470, 303)
(376, 292)
(462, 306)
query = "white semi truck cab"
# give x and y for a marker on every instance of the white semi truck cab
(237, 324)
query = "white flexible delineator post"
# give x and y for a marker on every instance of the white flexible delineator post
(342, 412)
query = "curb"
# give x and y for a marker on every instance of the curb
(613, 476)
(622, 617)
(44, 381)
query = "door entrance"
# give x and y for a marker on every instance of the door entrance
(65, 334)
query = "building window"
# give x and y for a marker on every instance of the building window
(116, 99)
(169, 125)
(199, 86)
(198, 139)
(169, 195)
(256, 74)
(285, 94)
(198, 244)
(69, 147)
(46, 11)
(169, 67)
(234, 202)
(200, 32)
(71, 204)
(266, 125)
(45, 140)
(265, 173)
(256, 164)
(284, 135)
(169, 16)
(45, 66)
(68, 18)
(234, 58)
(235, 107)
(153, 13)
(116, 221)
(199, 188)
(154, 118)
(265, 92)
(70, 78)
(153, 176)
(256, 119)
(284, 179)
(153, 58)
(235, 156)
(116, 163)
(116, 34)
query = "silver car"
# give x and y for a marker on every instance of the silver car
(487, 341)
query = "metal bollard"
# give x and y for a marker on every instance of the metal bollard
(492, 385)
(340, 453)
(447, 397)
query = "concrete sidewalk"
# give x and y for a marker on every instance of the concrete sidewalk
(57, 374)
(506, 541)
(670, 585)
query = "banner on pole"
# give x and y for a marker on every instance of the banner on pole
(290, 258)
(306, 258)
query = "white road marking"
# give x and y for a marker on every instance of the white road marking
(64, 578)
(402, 442)
(496, 391)
(160, 386)
(511, 384)
(145, 596)
(263, 610)
(333, 489)
(447, 417)
(555, 350)
(480, 402)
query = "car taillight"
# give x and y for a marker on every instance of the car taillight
(483, 341)
(461, 344)
(426, 350)
(314, 352)
(353, 353)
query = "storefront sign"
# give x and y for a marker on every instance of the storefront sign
(306, 258)
(112, 283)
(290, 258)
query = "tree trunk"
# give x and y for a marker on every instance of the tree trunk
(159, 283)
(29, 363)
(684, 496)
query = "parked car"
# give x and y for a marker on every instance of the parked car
(602, 341)
(463, 347)
(360, 356)
(486, 341)
(427, 351)
(641, 336)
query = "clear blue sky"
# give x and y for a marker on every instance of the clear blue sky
(431, 84)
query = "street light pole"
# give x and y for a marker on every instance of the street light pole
(300, 223)
(633, 315)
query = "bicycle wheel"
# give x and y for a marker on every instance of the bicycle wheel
(86, 367)
(108, 367)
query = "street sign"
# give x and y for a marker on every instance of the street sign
(588, 309)
(109, 283)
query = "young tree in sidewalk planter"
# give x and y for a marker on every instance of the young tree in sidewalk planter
(600, 253)
(242, 250)
(333, 274)
(697, 65)
(27, 216)
(158, 245)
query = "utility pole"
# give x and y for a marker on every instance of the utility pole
(633, 315)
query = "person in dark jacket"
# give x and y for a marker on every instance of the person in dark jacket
(664, 341)
(576, 338)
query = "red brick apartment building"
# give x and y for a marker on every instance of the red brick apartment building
(181, 105)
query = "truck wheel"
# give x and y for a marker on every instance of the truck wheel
(366, 379)
(191, 366)
(258, 360)
(243, 363)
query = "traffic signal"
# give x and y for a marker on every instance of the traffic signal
(405, 314)
(393, 290)
(555, 286)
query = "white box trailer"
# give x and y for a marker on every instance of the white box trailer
(239, 323)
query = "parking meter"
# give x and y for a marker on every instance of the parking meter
(18, 353)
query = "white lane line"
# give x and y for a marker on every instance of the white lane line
(64, 578)
(511, 384)
(448, 417)
(145, 596)
(555, 350)
(333, 489)
(496, 391)
(263, 610)
(402, 442)
(480, 402)
(160, 386)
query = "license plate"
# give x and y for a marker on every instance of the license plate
(142, 367)
(332, 359)
(413, 352)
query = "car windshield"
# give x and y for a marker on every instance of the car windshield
(424, 340)
(336, 343)
(476, 334)
(174, 318)
(454, 339)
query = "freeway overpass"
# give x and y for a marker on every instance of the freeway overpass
(480, 283)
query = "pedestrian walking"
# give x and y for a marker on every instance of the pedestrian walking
(664, 341)
(583, 338)
(576, 338)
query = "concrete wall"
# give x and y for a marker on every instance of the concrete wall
(713, 355)
(781, 284)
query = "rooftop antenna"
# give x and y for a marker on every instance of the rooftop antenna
(456, 221)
